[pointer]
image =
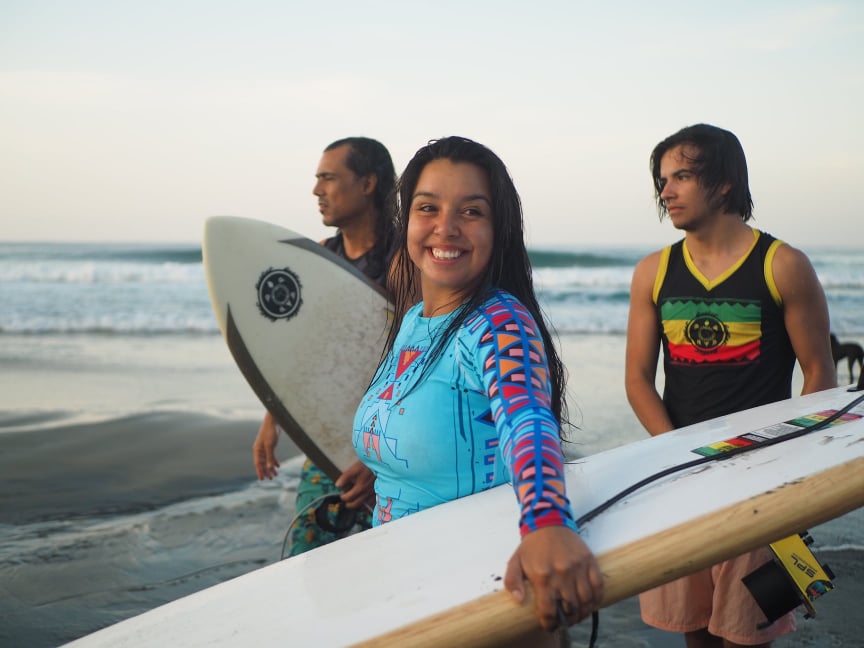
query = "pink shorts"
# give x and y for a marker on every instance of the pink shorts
(716, 599)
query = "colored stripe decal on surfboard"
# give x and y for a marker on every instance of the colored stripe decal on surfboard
(762, 435)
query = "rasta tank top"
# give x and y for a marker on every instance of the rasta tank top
(725, 346)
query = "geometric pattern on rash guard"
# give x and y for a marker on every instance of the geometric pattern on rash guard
(479, 416)
(517, 381)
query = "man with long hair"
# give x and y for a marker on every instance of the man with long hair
(733, 308)
(354, 187)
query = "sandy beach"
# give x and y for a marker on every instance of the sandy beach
(126, 481)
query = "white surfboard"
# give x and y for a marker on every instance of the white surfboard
(305, 327)
(435, 578)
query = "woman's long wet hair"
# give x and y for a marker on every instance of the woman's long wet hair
(509, 267)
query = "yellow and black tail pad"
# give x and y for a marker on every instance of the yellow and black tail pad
(795, 577)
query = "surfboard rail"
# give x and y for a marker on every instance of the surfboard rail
(495, 619)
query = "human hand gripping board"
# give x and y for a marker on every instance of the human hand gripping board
(436, 578)
(305, 327)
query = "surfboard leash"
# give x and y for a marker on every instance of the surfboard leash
(727, 454)
(722, 456)
(344, 521)
(564, 628)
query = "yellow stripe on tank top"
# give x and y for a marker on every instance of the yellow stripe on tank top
(740, 333)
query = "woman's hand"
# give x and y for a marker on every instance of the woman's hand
(358, 485)
(264, 449)
(561, 568)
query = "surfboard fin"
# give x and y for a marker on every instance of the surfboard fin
(795, 577)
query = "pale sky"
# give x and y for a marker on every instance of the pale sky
(134, 120)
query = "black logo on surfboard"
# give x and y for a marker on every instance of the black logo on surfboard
(278, 294)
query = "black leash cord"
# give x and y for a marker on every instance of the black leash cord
(595, 626)
(590, 515)
(564, 628)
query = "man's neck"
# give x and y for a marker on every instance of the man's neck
(358, 236)
(720, 245)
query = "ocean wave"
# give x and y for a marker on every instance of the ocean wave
(592, 327)
(840, 286)
(60, 420)
(75, 530)
(182, 253)
(548, 278)
(141, 317)
(92, 272)
(573, 297)
(151, 290)
(840, 548)
(134, 329)
(583, 259)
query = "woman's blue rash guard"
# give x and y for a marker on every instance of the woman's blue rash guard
(480, 416)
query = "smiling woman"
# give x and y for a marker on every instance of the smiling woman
(450, 232)
(469, 394)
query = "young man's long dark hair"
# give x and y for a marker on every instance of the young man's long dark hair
(717, 159)
(509, 267)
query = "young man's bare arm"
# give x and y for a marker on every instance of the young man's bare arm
(643, 348)
(805, 314)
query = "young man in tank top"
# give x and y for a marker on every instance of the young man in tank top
(354, 187)
(733, 309)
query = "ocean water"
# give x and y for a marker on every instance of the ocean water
(126, 478)
(139, 289)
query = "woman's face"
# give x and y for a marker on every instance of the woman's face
(450, 232)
